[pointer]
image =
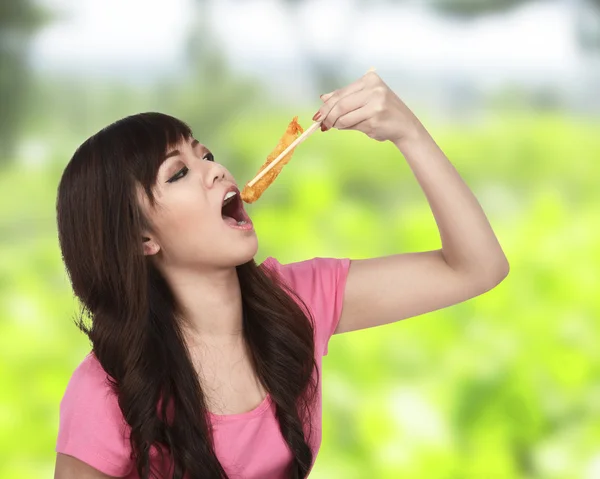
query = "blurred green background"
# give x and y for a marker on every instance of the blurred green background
(506, 385)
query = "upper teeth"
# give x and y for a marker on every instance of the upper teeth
(228, 196)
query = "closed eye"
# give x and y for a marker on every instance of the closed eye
(177, 176)
(181, 173)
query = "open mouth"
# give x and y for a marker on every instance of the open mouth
(232, 210)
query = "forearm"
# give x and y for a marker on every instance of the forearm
(468, 241)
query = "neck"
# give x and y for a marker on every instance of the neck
(210, 303)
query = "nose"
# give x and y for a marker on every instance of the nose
(215, 174)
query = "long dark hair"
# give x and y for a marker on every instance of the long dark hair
(129, 313)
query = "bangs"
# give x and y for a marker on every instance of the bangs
(142, 142)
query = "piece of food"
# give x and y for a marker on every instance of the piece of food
(251, 194)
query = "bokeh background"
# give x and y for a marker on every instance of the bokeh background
(506, 385)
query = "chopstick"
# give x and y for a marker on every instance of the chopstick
(309, 131)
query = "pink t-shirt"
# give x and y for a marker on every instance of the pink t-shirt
(248, 445)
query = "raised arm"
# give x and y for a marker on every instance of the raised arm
(387, 289)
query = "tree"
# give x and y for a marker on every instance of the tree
(587, 25)
(214, 92)
(325, 72)
(587, 15)
(19, 20)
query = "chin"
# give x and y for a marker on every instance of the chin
(247, 251)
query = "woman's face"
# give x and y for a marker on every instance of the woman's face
(188, 229)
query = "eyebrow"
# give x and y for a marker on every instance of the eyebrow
(177, 152)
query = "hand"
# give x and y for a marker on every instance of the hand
(370, 106)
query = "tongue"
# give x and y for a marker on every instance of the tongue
(229, 220)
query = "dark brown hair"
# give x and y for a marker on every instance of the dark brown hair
(129, 313)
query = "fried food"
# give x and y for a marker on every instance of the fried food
(251, 194)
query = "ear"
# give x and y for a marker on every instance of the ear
(150, 246)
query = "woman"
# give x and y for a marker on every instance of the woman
(205, 364)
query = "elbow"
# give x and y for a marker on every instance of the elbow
(486, 273)
(506, 269)
(497, 273)
(489, 273)
(503, 267)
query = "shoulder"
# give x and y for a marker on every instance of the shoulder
(88, 372)
(89, 388)
(91, 425)
(320, 283)
(305, 274)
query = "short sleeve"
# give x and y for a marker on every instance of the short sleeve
(320, 283)
(91, 425)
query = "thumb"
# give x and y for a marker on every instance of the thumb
(327, 96)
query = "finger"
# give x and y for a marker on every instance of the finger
(344, 106)
(353, 120)
(331, 98)
(342, 92)
(361, 82)
(361, 122)
(370, 75)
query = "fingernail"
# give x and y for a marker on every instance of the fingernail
(317, 116)
(323, 127)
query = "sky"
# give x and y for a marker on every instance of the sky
(145, 39)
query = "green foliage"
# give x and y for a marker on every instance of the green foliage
(504, 385)
(19, 19)
(472, 8)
